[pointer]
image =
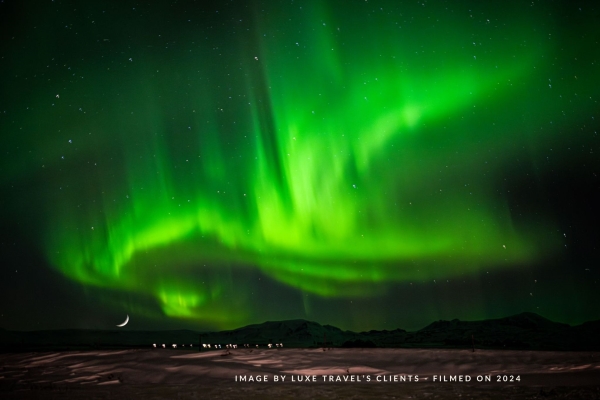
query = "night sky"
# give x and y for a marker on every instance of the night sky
(366, 164)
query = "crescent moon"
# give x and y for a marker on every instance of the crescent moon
(124, 323)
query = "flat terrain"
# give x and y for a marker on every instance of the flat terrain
(336, 373)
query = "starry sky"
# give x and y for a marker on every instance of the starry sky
(366, 164)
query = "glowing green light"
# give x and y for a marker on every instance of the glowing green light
(348, 165)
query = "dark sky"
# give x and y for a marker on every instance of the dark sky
(365, 164)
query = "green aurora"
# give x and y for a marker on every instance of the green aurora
(338, 148)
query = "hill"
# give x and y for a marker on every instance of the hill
(521, 331)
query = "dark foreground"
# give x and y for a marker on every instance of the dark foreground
(383, 374)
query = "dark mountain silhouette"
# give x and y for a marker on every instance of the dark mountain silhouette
(521, 331)
(525, 330)
(294, 333)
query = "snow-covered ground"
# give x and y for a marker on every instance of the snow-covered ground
(299, 373)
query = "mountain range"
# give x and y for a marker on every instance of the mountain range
(522, 331)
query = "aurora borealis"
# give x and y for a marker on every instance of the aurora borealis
(369, 164)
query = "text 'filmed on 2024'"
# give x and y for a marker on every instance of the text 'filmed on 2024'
(378, 378)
